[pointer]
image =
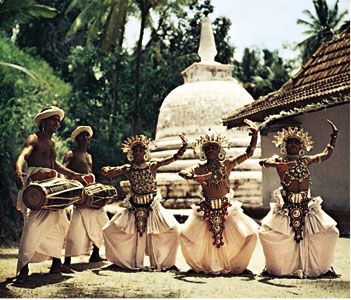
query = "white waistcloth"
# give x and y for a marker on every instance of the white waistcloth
(126, 248)
(313, 256)
(85, 228)
(239, 237)
(42, 237)
(43, 232)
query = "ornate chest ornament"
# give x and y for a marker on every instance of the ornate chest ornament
(299, 172)
(142, 181)
(143, 185)
(215, 211)
(219, 174)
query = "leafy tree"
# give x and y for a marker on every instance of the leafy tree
(14, 12)
(48, 37)
(262, 71)
(320, 27)
(21, 97)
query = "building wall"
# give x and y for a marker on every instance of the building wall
(331, 178)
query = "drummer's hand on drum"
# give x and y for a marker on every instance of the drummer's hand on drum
(80, 177)
(106, 171)
(19, 179)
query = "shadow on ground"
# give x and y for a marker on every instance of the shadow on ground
(187, 276)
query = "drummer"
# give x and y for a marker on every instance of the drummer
(86, 223)
(44, 230)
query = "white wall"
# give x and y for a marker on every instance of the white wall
(331, 178)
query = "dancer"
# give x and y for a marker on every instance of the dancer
(218, 237)
(297, 236)
(145, 227)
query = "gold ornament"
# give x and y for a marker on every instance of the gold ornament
(222, 142)
(130, 142)
(293, 132)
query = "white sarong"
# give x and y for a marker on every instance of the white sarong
(239, 237)
(126, 248)
(85, 228)
(43, 232)
(314, 254)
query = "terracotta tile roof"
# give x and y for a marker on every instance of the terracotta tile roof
(325, 75)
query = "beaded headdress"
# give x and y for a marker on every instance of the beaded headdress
(293, 132)
(222, 141)
(130, 142)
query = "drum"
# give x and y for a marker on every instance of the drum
(96, 196)
(57, 193)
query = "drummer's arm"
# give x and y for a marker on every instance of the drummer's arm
(28, 148)
(67, 157)
(90, 163)
(67, 172)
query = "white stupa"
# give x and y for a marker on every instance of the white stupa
(209, 92)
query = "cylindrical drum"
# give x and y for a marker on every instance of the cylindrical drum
(57, 193)
(97, 195)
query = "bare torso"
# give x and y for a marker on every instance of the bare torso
(217, 185)
(43, 154)
(79, 162)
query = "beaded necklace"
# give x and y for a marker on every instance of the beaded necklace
(299, 172)
(219, 174)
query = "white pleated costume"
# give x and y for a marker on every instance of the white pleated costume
(239, 241)
(126, 248)
(313, 255)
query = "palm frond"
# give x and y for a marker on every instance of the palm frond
(20, 68)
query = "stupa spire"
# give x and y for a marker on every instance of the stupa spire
(207, 48)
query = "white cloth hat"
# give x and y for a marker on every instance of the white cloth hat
(49, 112)
(81, 129)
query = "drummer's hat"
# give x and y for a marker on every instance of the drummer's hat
(49, 112)
(81, 129)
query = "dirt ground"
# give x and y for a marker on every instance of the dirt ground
(101, 280)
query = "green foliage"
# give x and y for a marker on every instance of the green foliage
(14, 12)
(21, 97)
(320, 27)
(262, 71)
(102, 98)
(47, 37)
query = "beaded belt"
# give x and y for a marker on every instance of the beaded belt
(297, 197)
(217, 203)
(143, 199)
(141, 211)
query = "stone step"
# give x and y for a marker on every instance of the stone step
(174, 142)
(174, 178)
(248, 165)
(189, 153)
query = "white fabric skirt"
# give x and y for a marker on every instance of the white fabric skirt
(42, 237)
(313, 256)
(85, 228)
(126, 248)
(239, 237)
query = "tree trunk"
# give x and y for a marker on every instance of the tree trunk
(144, 9)
(114, 31)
